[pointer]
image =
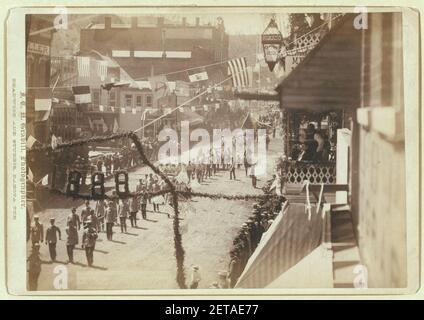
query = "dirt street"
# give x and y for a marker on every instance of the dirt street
(144, 258)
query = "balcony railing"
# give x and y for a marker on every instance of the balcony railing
(296, 172)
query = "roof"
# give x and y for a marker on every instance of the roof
(328, 77)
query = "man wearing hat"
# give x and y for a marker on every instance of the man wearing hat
(37, 231)
(51, 238)
(109, 219)
(74, 220)
(71, 241)
(86, 212)
(89, 238)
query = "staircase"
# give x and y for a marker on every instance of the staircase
(344, 246)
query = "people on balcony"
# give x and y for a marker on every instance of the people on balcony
(308, 150)
(323, 148)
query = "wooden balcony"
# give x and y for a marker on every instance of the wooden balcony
(297, 172)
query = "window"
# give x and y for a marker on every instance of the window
(128, 100)
(112, 99)
(149, 101)
(138, 101)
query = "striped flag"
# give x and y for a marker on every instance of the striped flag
(82, 94)
(83, 66)
(102, 69)
(238, 70)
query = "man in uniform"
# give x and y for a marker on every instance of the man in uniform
(89, 238)
(86, 212)
(109, 218)
(51, 238)
(71, 241)
(37, 231)
(123, 214)
(232, 169)
(143, 205)
(133, 211)
(74, 219)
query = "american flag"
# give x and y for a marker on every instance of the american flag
(238, 69)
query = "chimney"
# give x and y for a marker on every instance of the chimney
(184, 21)
(160, 21)
(197, 21)
(134, 22)
(108, 22)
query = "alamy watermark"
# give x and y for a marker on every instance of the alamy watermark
(239, 146)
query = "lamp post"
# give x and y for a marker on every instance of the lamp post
(272, 41)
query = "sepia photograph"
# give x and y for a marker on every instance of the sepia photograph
(215, 148)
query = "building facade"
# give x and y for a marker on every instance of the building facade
(144, 51)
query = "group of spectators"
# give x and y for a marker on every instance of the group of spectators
(313, 146)
(249, 236)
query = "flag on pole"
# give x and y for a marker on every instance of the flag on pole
(83, 66)
(238, 70)
(102, 69)
(115, 126)
(82, 94)
(43, 99)
(200, 76)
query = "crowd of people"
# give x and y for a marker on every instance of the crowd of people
(313, 145)
(249, 236)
